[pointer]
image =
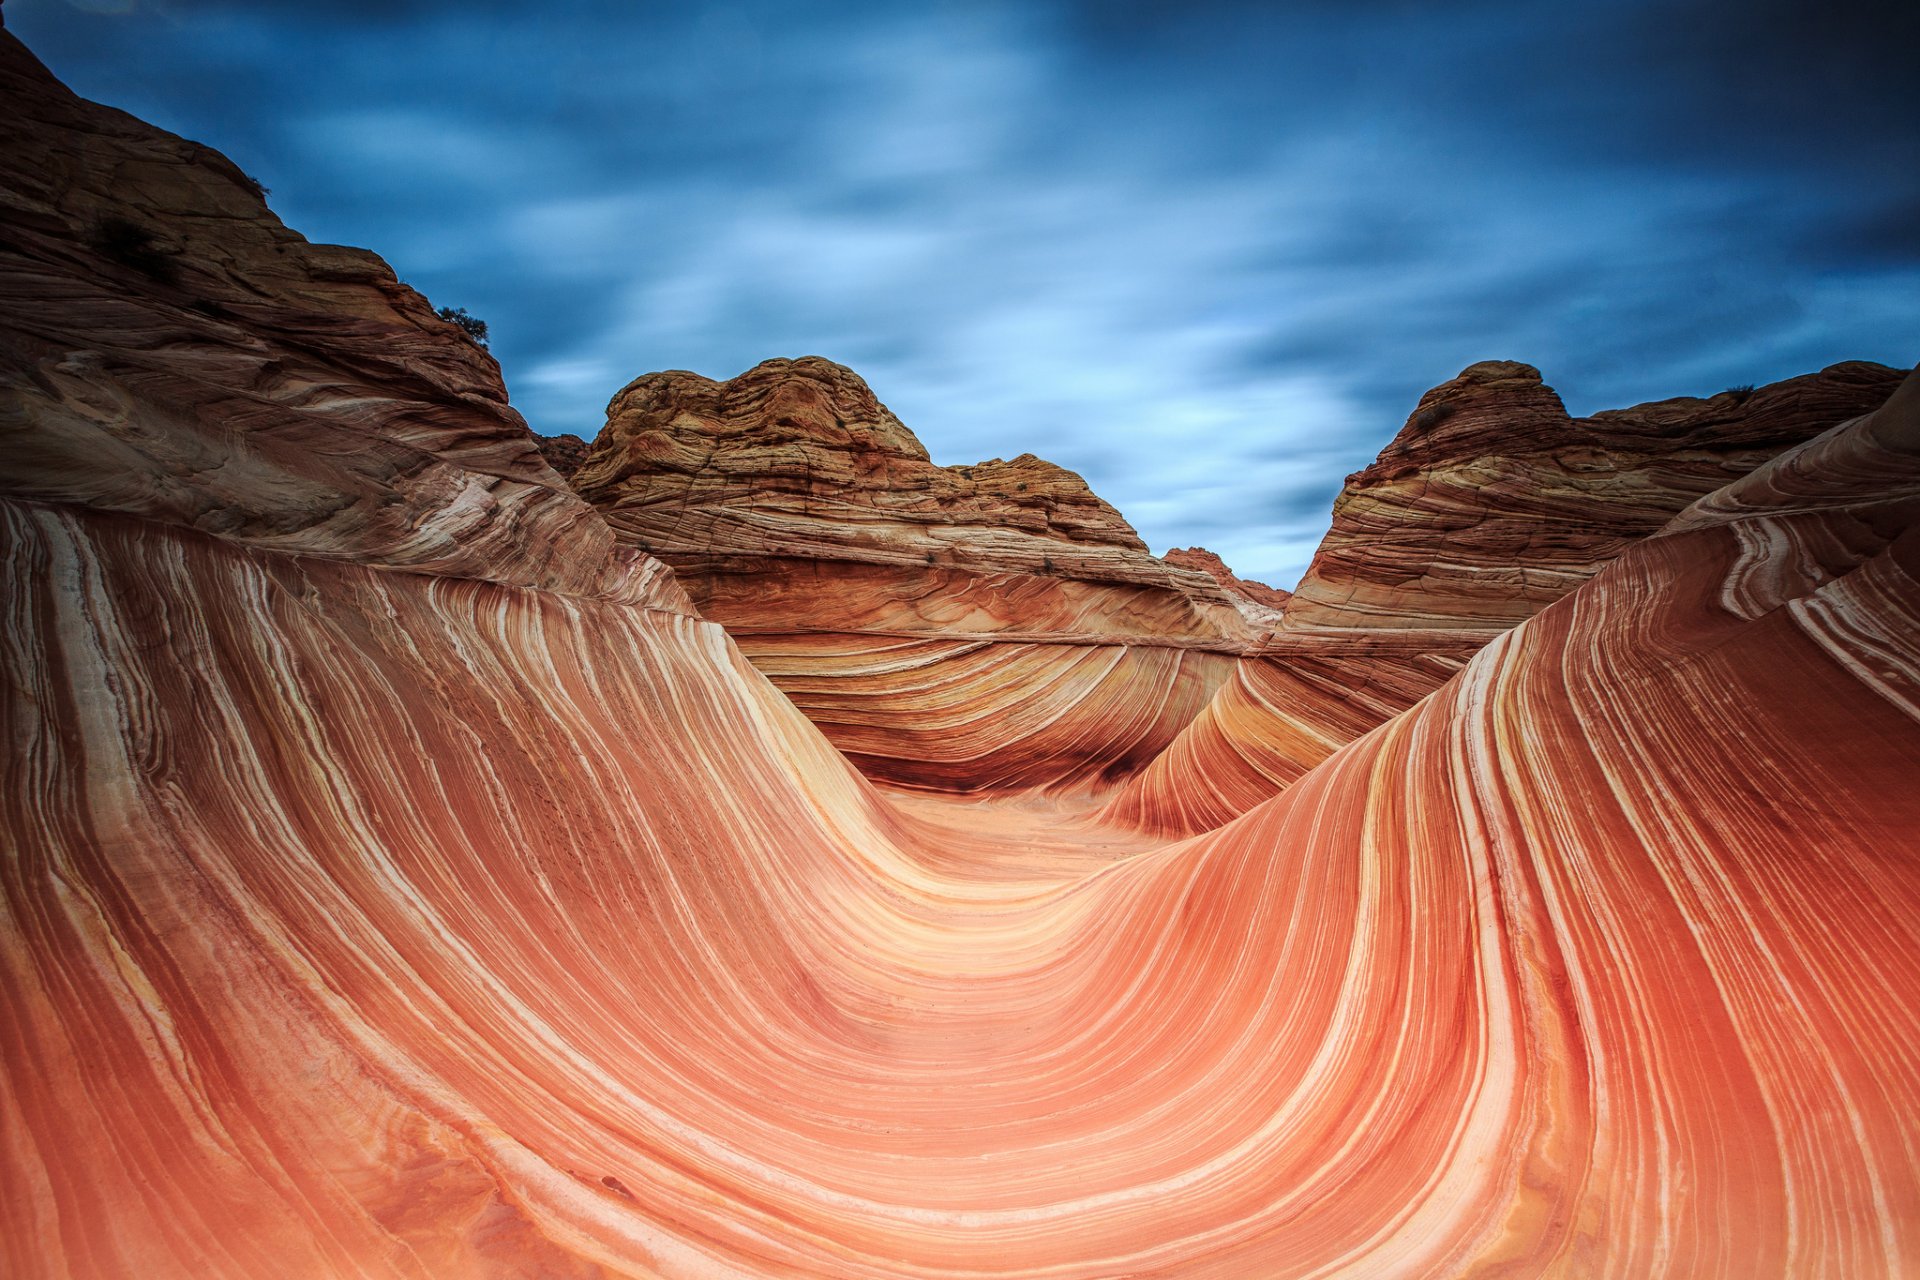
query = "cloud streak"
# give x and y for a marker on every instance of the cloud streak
(1206, 255)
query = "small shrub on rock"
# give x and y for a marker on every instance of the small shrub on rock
(474, 327)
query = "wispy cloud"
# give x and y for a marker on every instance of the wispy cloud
(1205, 254)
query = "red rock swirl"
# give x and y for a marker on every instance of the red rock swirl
(398, 879)
(1489, 505)
(363, 922)
(990, 716)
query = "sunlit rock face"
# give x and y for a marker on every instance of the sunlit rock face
(383, 917)
(970, 627)
(1490, 504)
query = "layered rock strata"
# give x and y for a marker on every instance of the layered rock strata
(390, 919)
(1491, 503)
(530, 933)
(1256, 593)
(170, 351)
(970, 627)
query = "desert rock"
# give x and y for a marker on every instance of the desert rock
(1490, 504)
(966, 627)
(169, 350)
(437, 904)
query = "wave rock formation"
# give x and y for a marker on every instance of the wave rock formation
(971, 628)
(402, 878)
(1490, 504)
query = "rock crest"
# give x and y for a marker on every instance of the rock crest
(170, 351)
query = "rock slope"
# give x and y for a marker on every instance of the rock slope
(364, 914)
(1490, 504)
(172, 352)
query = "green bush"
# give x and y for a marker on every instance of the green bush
(474, 327)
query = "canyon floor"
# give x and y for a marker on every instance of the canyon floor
(737, 846)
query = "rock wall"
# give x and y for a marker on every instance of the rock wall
(169, 350)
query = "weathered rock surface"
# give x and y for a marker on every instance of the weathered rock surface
(627, 971)
(386, 920)
(794, 470)
(169, 350)
(1490, 504)
(1214, 567)
(968, 627)
(564, 452)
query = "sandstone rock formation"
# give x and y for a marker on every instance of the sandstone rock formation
(564, 452)
(760, 488)
(972, 627)
(172, 352)
(1490, 504)
(1214, 567)
(371, 912)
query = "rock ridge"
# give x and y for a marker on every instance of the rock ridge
(991, 625)
(1493, 501)
(798, 458)
(170, 350)
(1490, 504)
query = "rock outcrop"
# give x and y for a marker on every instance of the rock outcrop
(1490, 504)
(1258, 593)
(170, 351)
(969, 627)
(369, 912)
(760, 489)
(564, 452)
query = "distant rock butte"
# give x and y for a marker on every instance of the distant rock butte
(1212, 565)
(1493, 502)
(564, 452)
(964, 627)
(759, 489)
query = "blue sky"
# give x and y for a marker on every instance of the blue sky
(1206, 254)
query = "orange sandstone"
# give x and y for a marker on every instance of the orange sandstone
(1490, 504)
(392, 883)
(973, 628)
